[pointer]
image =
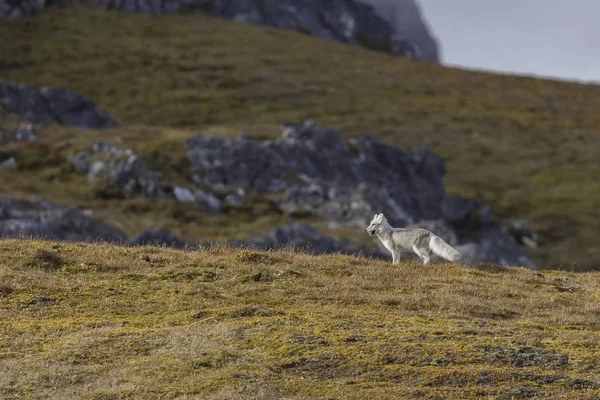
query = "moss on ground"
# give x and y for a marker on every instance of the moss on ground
(526, 146)
(148, 322)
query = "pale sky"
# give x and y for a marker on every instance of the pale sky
(554, 38)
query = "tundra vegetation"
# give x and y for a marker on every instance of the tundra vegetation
(107, 321)
(103, 321)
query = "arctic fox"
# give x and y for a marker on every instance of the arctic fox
(419, 241)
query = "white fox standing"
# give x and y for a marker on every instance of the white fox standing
(419, 241)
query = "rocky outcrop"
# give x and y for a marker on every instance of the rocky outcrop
(406, 18)
(312, 169)
(56, 105)
(118, 167)
(125, 170)
(38, 218)
(347, 21)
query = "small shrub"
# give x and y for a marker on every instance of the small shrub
(45, 260)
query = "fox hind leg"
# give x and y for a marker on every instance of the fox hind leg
(422, 253)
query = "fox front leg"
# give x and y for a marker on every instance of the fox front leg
(396, 257)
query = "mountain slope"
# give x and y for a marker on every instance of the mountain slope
(525, 146)
(101, 321)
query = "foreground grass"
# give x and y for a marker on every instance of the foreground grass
(102, 321)
(525, 146)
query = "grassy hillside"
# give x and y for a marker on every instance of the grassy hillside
(108, 322)
(525, 146)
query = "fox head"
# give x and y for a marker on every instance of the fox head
(375, 225)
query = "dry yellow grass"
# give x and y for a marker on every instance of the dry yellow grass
(109, 322)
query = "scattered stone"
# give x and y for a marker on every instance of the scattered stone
(25, 133)
(184, 195)
(118, 167)
(9, 163)
(40, 105)
(236, 199)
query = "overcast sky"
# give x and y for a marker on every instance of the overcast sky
(556, 38)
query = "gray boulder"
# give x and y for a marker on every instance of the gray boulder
(183, 194)
(225, 165)
(10, 162)
(38, 218)
(118, 167)
(236, 199)
(40, 105)
(315, 171)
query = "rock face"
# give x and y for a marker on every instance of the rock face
(46, 104)
(311, 169)
(347, 21)
(37, 218)
(406, 18)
